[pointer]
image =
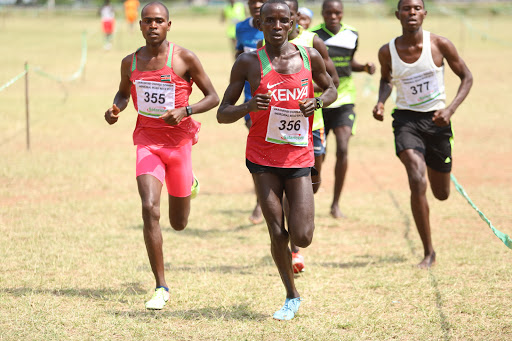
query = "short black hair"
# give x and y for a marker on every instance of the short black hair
(295, 3)
(400, 2)
(272, 2)
(156, 3)
(328, 1)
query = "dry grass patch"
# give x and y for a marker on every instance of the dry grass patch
(74, 265)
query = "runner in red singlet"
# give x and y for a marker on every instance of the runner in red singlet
(279, 145)
(159, 77)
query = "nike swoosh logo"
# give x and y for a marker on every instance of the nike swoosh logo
(273, 85)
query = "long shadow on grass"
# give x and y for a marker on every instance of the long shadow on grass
(103, 293)
(407, 223)
(224, 269)
(244, 214)
(445, 325)
(189, 231)
(253, 268)
(192, 231)
(237, 312)
(362, 264)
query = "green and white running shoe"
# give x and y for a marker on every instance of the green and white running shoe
(159, 299)
(195, 188)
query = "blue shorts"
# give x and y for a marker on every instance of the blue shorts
(319, 141)
(248, 96)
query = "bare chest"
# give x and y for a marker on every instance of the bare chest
(410, 54)
(288, 65)
(151, 64)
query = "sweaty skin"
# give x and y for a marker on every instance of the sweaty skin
(275, 23)
(154, 26)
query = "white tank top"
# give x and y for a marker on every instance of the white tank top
(420, 85)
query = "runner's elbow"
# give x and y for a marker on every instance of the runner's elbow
(223, 117)
(468, 78)
(220, 118)
(215, 100)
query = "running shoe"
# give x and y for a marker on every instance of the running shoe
(195, 188)
(289, 309)
(159, 299)
(297, 262)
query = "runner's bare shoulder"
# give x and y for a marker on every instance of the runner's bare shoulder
(247, 59)
(440, 42)
(185, 54)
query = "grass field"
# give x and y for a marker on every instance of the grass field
(74, 265)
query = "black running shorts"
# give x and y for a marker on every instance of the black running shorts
(337, 117)
(416, 130)
(287, 173)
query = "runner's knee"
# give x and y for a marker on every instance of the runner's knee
(441, 194)
(178, 223)
(150, 209)
(279, 235)
(417, 182)
(302, 241)
(302, 238)
(341, 154)
(341, 148)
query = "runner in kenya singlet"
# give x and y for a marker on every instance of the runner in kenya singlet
(281, 136)
(153, 93)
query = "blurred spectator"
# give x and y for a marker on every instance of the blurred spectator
(107, 21)
(131, 12)
(233, 13)
(305, 17)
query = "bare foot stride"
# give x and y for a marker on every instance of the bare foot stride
(428, 262)
(336, 212)
(420, 52)
(256, 216)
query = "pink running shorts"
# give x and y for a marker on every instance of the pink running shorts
(174, 164)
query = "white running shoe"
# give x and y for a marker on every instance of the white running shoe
(159, 299)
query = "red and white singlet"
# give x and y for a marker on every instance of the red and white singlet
(154, 93)
(281, 136)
